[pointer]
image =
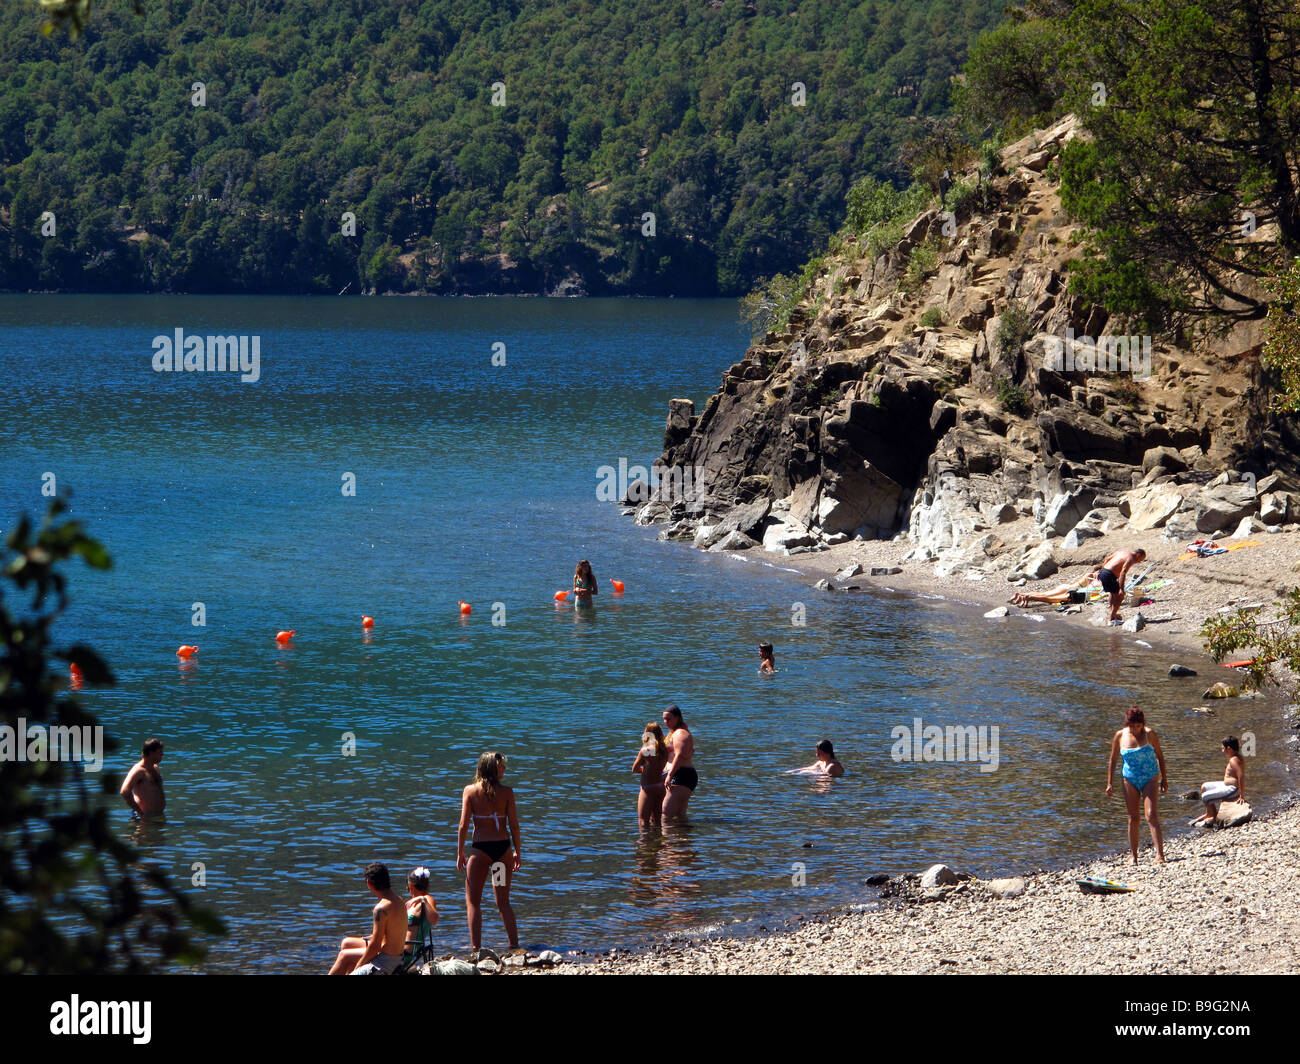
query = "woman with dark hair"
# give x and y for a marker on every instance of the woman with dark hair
(649, 765)
(766, 658)
(1139, 748)
(491, 808)
(584, 584)
(827, 764)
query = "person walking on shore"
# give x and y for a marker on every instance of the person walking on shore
(490, 807)
(680, 777)
(1144, 763)
(649, 765)
(1112, 575)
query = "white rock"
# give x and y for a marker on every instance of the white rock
(939, 875)
(1007, 888)
(1000, 611)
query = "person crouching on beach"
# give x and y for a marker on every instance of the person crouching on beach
(380, 952)
(1233, 787)
(1144, 761)
(490, 806)
(826, 764)
(1112, 574)
(649, 765)
(766, 659)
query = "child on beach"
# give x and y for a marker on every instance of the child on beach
(1233, 787)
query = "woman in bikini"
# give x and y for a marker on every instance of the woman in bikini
(649, 765)
(1144, 763)
(584, 584)
(490, 807)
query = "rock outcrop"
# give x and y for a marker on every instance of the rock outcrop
(868, 417)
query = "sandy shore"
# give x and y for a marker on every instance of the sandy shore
(1226, 901)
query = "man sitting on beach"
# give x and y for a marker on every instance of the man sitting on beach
(380, 952)
(143, 786)
(680, 775)
(1112, 574)
(1233, 787)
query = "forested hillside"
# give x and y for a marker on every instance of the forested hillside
(308, 109)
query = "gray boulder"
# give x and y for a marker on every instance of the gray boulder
(939, 875)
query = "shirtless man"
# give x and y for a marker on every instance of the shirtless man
(380, 952)
(143, 786)
(1234, 776)
(679, 776)
(1112, 574)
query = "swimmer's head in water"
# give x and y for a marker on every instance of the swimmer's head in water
(418, 878)
(1135, 716)
(377, 875)
(825, 747)
(488, 771)
(672, 715)
(766, 652)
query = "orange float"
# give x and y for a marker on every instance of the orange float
(186, 651)
(367, 622)
(283, 637)
(74, 670)
(618, 586)
(561, 596)
(464, 608)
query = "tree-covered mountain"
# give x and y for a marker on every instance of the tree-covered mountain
(481, 146)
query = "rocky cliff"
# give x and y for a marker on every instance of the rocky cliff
(951, 385)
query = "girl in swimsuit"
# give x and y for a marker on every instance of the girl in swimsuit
(649, 765)
(584, 584)
(421, 909)
(491, 809)
(1144, 761)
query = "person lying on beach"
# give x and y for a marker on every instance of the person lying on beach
(1112, 576)
(1072, 592)
(766, 659)
(1234, 779)
(649, 765)
(825, 765)
(380, 952)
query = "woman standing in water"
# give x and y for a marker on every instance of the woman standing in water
(1144, 761)
(649, 765)
(491, 808)
(584, 584)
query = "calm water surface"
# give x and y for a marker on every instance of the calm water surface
(478, 482)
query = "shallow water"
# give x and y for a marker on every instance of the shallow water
(478, 482)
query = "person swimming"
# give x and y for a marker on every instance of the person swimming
(766, 659)
(649, 765)
(1143, 761)
(827, 764)
(584, 584)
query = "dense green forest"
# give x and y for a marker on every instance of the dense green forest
(312, 108)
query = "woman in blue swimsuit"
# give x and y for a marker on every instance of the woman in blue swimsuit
(1144, 761)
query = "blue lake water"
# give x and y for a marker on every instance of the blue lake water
(478, 482)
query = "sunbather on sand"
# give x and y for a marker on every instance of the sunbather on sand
(1071, 592)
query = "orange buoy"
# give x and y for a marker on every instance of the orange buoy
(618, 586)
(464, 608)
(186, 651)
(367, 622)
(284, 637)
(74, 670)
(561, 596)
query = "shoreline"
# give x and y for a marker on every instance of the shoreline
(1242, 875)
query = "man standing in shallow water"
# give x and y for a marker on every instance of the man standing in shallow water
(679, 777)
(143, 786)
